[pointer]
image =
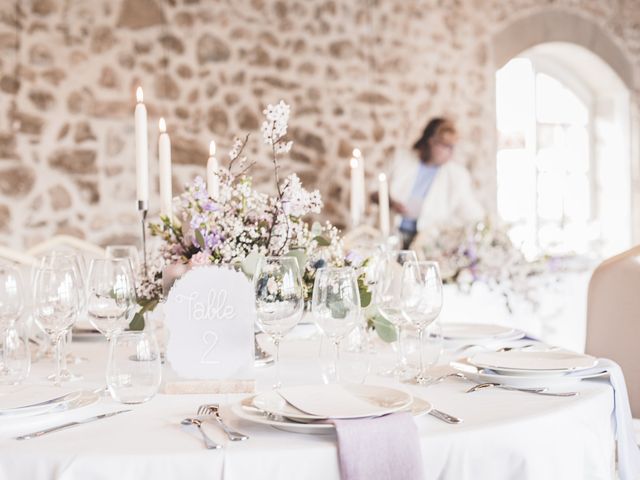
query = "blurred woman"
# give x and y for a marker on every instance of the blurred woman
(427, 190)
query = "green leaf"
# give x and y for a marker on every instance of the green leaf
(299, 255)
(137, 323)
(365, 293)
(250, 263)
(322, 241)
(384, 328)
(200, 239)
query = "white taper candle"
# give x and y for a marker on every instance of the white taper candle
(142, 150)
(164, 158)
(213, 182)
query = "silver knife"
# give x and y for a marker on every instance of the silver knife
(68, 425)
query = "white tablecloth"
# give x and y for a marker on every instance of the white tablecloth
(505, 435)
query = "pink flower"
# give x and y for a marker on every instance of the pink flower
(200, 258)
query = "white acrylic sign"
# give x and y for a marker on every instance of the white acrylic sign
(210, 315)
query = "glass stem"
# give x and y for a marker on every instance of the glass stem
(421, 348)
(276, 342)
(59, 345)
(400, 347)
(336, 359)
(63, 349)
(4, 354)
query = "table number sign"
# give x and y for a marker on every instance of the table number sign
(210, 316)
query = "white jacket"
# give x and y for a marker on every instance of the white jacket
(450, 200)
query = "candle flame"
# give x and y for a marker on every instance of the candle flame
(162, 125)
(357, 153)
(139, 95)
(382, 177)
(212, 148)
(354, 163)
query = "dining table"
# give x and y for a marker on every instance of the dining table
(504, 434)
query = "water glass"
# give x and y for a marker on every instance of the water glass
(134, 371)
(336, 305)
(16, 356)
(279, 300)
(421, 301)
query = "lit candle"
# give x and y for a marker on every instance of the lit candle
(164, 157)
(357, 154)
(383, 201)
(213, 183)
(142, 152)
(355, 196)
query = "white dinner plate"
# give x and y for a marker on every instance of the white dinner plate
(62, 401)
(478, 331)
(340, 400)
(532, 362)
(483, 375)
(246, 410)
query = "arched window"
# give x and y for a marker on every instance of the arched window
(563, 185)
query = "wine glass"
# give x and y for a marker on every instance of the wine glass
(387, 296)
(127, 252)
(111, 295)
(76, 262)
(279, 300)
(336, 305)
(55, 309)
(134, 371)
(421, 301)
(11, 305)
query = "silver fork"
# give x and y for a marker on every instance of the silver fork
(210, 444)
(214, 410)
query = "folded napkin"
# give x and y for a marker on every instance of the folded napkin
(379, 448)
(628, 451)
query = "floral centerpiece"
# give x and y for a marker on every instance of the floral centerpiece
(242, 224)
(484, 253)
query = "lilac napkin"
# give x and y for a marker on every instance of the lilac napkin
(379, 448)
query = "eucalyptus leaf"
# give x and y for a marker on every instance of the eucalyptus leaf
(200, 239)
(137, 324)
(322, 241)
(384, 328)
(365, 293)
(299, 255)
(250, 263)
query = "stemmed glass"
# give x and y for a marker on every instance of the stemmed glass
(127, 252)
(279, 300)
(55, 309)
(62, 259)
(387, 295)
(111, 295)
(11, 305)
(421, 301)
(336, 305)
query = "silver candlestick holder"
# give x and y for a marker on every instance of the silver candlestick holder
(142, 210)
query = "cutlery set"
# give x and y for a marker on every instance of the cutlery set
(205, 412)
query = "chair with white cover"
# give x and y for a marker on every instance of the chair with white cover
(613, 317)
(66, 242)
(15, 256)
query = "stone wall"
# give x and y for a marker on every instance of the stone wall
(357, 73)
